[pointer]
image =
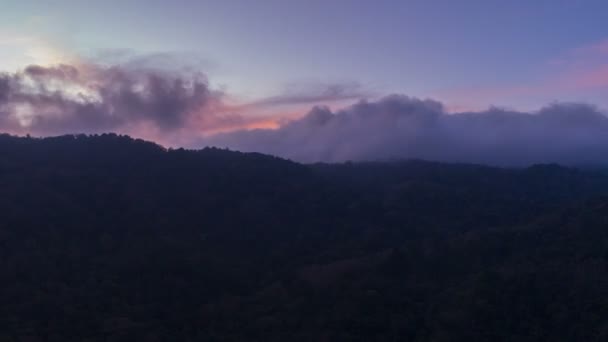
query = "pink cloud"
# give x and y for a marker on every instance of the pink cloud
(591, 78)
(600, 48)
(576, 72)
(166, 106)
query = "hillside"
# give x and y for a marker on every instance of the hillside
(107, 238)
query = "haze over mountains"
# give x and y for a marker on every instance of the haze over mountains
(179, 108)
(398, 126)
(106, 238)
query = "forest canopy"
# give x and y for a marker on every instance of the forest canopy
(109, 238)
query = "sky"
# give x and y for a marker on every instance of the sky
(205, 68)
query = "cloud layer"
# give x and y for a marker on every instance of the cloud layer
(89, 98)
(398, 126)
(148, 97)
(181, 109)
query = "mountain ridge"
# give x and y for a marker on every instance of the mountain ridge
(108, 238)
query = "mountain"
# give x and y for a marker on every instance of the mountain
(108, 238)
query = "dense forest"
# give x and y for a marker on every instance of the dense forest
(108, 238)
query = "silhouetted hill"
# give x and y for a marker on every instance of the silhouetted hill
(108, 238)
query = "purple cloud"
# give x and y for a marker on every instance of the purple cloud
(398, 126)
(323, 93)
(92, 98)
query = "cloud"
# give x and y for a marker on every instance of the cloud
(158, 97)
(89, 97)
(180, 108)
(313, 94)
(398, 126)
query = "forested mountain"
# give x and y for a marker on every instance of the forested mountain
(107, 238)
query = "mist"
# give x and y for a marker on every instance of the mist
(398, 126)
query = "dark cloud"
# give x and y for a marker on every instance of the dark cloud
(93, 98)
(402, 127)
(60, 72)
(311, 94)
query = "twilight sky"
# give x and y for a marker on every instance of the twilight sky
(181, 71)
